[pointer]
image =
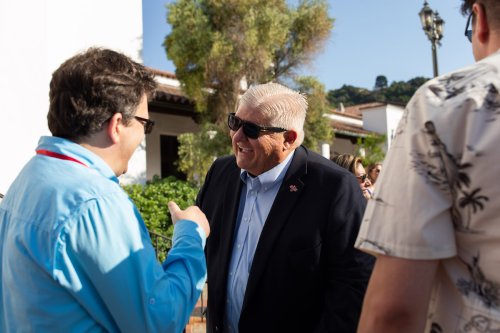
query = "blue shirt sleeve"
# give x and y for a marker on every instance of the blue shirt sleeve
(104, 257)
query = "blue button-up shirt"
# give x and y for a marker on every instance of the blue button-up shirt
(75, 255)
(257, 197)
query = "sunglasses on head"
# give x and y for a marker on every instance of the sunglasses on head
(251, 130)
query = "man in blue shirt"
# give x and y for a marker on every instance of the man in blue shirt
(75, 254)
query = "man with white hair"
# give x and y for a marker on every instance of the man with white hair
(280, 257)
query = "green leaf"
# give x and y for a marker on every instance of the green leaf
(151, 201)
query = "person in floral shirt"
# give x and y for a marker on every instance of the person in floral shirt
(434, 223)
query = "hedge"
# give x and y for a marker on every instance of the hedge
(151, 200)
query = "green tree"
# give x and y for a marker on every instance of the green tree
(349, 95)
(416, 82)
(380, 82)
(219, 45)
(396, 92)
(401, 91)
(317, 128)
(371, 148)
(216, 44)
(151, 201)
(198, 150)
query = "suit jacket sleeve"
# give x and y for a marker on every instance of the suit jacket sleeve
(347, 269)
(218, 199)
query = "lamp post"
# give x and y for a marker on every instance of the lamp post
(433, 25)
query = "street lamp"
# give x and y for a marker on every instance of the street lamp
(433, 28)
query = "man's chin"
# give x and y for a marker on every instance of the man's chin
(241, 163)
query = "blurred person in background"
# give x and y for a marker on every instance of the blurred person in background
(373, 170)
(355, 165)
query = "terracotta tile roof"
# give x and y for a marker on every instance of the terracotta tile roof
(347, 115)
(166, 74)
(166, 92)
(350, 130)
(355, 110)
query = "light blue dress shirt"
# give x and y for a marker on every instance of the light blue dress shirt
(75, 254)
(257, 198)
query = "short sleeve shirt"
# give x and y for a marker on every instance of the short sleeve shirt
(437, 196)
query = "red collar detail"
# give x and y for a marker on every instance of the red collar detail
(59, 156)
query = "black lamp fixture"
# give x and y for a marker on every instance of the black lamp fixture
(433, 26)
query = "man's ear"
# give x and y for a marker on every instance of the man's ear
(290, 137)
(114, 128)
(481, 26)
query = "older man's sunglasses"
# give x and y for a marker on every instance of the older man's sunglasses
(251, 130)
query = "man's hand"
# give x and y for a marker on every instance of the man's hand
(192, 213)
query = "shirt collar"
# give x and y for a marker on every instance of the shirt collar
(78, 152)
(269, 177)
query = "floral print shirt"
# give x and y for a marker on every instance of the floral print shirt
(437, 196)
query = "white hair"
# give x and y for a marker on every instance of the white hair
(281, 106)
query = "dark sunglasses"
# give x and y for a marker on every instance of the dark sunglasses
(251, 130)
(468, 32)
(147, 123)
(362, 178)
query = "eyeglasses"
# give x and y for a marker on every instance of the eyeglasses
(468, 32)
(362, 178)
(147, 123)
(251, 130)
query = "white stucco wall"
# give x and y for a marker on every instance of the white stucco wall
(375, 119)
(383, 120)
(36, 36)
(394, 115)
(164, 125)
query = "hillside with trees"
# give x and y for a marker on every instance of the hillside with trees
(397, 92)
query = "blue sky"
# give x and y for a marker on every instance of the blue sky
(369, 38)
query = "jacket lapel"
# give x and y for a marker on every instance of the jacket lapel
(288, 194)
(231, 198)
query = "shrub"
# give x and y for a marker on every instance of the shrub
(151, 200)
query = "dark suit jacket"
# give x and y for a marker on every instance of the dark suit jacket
(306, 275)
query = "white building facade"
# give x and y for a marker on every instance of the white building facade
(36, 37)
(383, 119)
(359, 121)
